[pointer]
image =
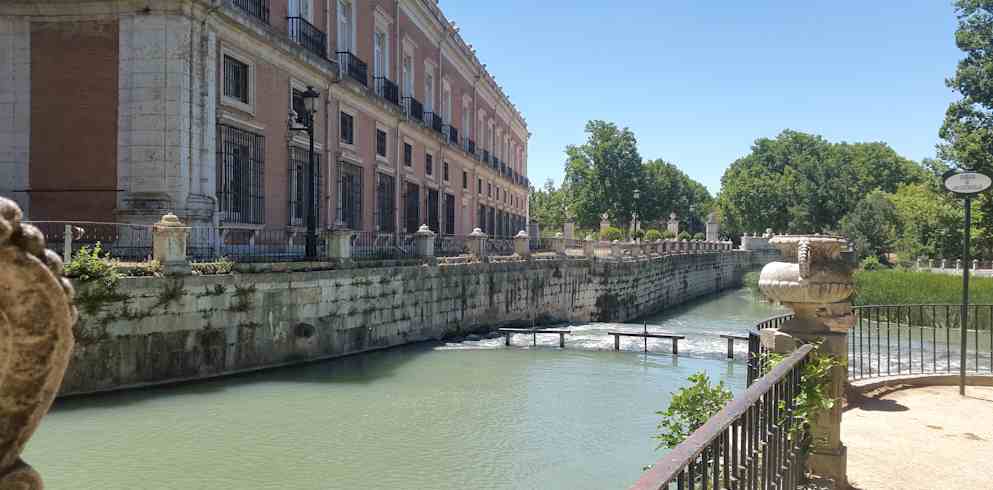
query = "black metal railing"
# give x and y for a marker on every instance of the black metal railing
(486, 156)
(246, 244)
(756, 441)
(434, 121)
(240, 175)
(256, 8)
(453, 135)
(354, 67)
(469, 146)
(120, 241)
(894, 340)
(386, 89)
(413, 108)
(368, 245)
(305, 34)
(756, 352)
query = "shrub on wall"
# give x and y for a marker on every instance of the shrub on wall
(653, 235)
(699, 237)
(668, 235)
(611, 234)
(683, 235)
(637, 234)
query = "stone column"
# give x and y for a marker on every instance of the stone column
(558, 244)
(673, 224)
(713, 227)
(424, 242)
(476, 243)
(36, 319)
(340, 244)
(169, 245)
(589, 246)
(943, 263)
(569, 230)
(522, 244)
(816, 285)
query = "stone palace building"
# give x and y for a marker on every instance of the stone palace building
(123, 110)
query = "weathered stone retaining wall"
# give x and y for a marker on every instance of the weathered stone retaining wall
(156, 330)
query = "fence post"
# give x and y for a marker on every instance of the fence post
(424, 242)
(340, 244)
(615, 249)
(169, 237)
(522, 244)
(67, 244)
(476, 242)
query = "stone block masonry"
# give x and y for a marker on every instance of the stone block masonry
(159, 330)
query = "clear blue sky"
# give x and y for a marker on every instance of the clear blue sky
(698, 82)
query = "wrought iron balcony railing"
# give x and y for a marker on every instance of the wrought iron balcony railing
(469, 146)
(412, 108)
(486, 156)
(256, 8)
(305, 34)
(354, 67)
(434, 121)
(453, 135)
(386, 89)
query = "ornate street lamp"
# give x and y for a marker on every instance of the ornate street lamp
(637, 196)
(310, 97)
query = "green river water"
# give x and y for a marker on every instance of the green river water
(475, 415)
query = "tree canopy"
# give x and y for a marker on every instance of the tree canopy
(601, 176)
(802, 183)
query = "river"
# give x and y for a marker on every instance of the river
(474, 415)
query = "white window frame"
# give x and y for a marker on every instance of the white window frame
(231, 101)
(350, 39)
(430, 72)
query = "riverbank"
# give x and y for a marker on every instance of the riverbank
(901, 287)
(163, 330)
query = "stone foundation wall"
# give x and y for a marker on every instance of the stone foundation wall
(159, 330)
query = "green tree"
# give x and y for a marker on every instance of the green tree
(548, 206)
(872, 226)
(968, 127)
(690, 408)
(602, 174)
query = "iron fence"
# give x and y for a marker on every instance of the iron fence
(413, 108)
(499, 246)
(386, 89)
(450, 245)
(371, 245)
(353, 66)
(756, 441)
(247, 244)
(256, 8)
(892, 340)
(121, 241)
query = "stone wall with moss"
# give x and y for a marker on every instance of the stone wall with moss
(147, 330)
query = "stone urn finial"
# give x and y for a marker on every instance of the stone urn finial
(36, 319)
(816, 274)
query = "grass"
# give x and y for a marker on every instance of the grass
(900, 287)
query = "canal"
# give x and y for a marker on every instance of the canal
(428, 416)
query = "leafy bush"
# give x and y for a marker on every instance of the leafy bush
(611, 234)
(220, 266)
(699, 237)
(92, 264)
(668, 235)
(690, 408)
(813, 397)
(150, 268)
(751, 281)
(637, 234)
(684, 235)
(652, 235)
(871, 263)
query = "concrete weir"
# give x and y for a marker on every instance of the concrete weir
(152, 330)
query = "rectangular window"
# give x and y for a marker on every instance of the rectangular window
(489, 189)
(299, 107)
(299, 162)
(378, 54)
(385, 203)
(479, 185)
(344, 25)
(444, 171)
(432, 209)
(347, 129)
(465, 180)
(428, 164)
(381, 142)
(235, 79)
(408, 155)
(350, 195)
(240, 174)
(411, 207)
(449, 214)
(481, 223)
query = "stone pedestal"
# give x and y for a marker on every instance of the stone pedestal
(339, 244)
(816, 285)
(569, 230)
(476, 243)
(673, 224)
(424, 242)
(616, 250)
(558, 244)
(713, 227)
(169, 237)
(522, 244)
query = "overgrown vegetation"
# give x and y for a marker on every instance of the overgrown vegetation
(219, 266)
(751, 281)
(652, 235)
(611, 234)
(814, 379)
(690, 408)
(900, 287)
(98, 277)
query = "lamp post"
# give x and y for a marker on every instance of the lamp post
(634, 225)
(310, 97)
